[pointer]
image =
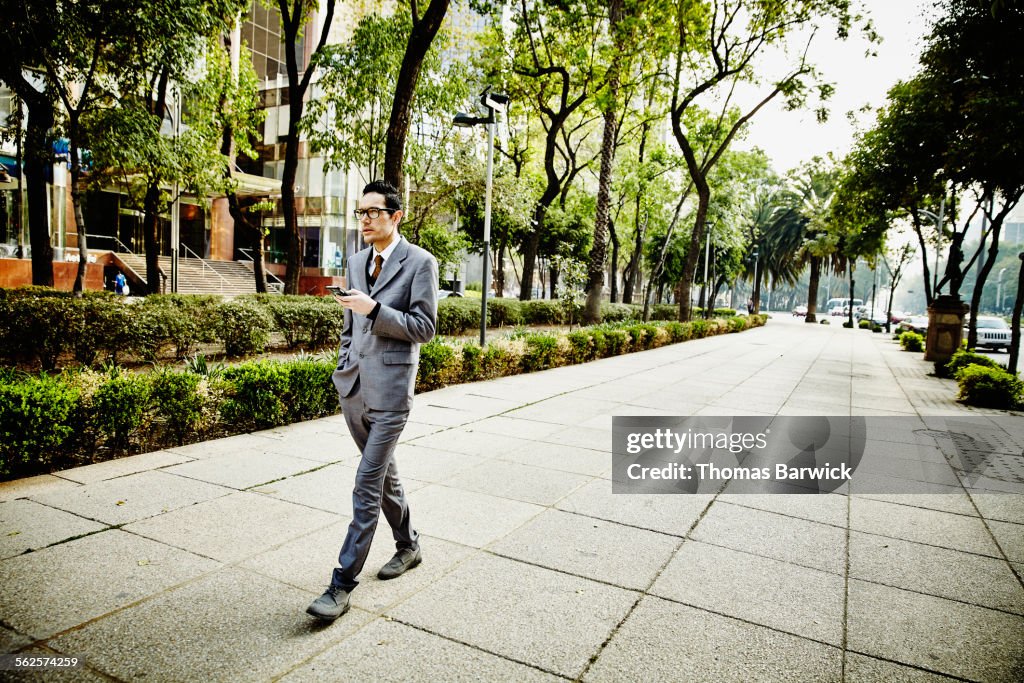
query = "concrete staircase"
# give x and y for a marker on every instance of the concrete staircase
(195, 276)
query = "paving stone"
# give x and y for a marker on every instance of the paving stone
(669, 514)
(471, 441)
(518, 482)
(240, 443)
(243, 470)
(862, 669)
(307, 563)
(466, 517)
(385, 650)
(666, 641)
(430, 464)
(999, 506)
(414, 430)
(30, 486)
(564, 410)
(1011, 539)
(12, 641)
(562, 457)
(975, 579)
(797, 541)
(804, 602)
(526, 613)
(942, 498)
(246, 523)
(827, 509)
(588, 547)
(517, 427)
(68, 584)
(132, 497)
(328, 488)
(589, 437)
(921, 526)
(231, 625)
(437, 415)
(123, 466)
(467, 402)
(934, 633)
(26, 525)
(325, 447)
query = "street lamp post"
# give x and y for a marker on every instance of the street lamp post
(494, 102)
(999, 292)
(176, 203)
(938, 241)
(707, 259)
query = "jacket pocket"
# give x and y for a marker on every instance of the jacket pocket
(399, 357)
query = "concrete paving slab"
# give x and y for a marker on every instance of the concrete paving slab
(591, 548)
(246, 524)
(999, 506)
(974, 579)
(133, 497)
(240, 443)
(470, 441)
(438, 415)
(30, 486)
(863, 669)
(779, 595)
(666, 641)
(431, 464)
(519, 611)
(26, 525)
(123, 466)
(931, 527)
(231, 625)
(561, 457)
(518, 482)
(386, 650)
(667, 514)
(591, 436)
(68, 584)
(307, 563)
(12, 641)
(518, 427)
(767, 534)
(81, 673)
(941, 498)
(935, 634)
(328, 488)
(327, 447)
(469, 402)
(244, 470)
(827, 509)
(415, 430)
(466, 517)
(564, 410)
(1010, 538)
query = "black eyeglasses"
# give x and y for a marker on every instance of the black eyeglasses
(372, 213)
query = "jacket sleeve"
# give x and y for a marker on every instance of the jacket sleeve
(419, 323)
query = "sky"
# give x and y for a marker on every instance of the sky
(793, 137)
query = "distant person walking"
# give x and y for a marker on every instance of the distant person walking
(120, 284)
(390, 309)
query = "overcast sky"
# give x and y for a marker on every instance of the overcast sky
(793, 137)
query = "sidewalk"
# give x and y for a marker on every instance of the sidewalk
(197, 563)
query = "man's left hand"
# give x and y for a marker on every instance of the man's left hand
(357, 302)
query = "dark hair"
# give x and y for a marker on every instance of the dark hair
(390, 192)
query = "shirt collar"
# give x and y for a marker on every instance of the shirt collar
(390, 249)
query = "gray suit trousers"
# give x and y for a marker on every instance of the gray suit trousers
(377, 487)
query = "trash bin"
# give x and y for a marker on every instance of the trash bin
(945, 328)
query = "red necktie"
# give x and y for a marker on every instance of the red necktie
(378, 261)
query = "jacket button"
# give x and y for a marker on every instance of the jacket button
(362, 355)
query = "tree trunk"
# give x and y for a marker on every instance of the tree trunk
(422, 35)
(613, 270)
(812, 291)
(979, 283)
(1018, 307)
(151, 204)
(76, 203)
(39, 155)
(296, 246)
(531, 245)
(499, 272)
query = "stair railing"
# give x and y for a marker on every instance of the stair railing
(277, 285)
(206, 266)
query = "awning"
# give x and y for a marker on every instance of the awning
(250, 185)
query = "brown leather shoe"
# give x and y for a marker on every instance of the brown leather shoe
(404, 560)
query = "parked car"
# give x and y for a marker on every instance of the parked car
(800, 311)
(993, 333)
(915, 323)
(896, 317)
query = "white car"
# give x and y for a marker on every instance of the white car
(993, 333)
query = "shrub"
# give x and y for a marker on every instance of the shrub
(581, 346)
(664, 312)
(311, 392)
(35, 422)
(456, 315)
(864, 324)
(504, 312)
(987, 387)
(38, 328)
(120, 406)
(911, 341)
(181, 320)
(182, 403)
(676, 331)
(256, 394)
(613, 313)
(962, 359)
(543, 313)
(825, 321)
(439, 365)
(244, 327)
(541, 352)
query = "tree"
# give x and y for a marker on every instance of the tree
(899, 259)
(294, 15)
(717, 44)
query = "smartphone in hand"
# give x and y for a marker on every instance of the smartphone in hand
(337, 291)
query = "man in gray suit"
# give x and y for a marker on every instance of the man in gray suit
(390, 310)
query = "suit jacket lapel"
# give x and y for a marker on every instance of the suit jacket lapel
(392, 265)
(358, 277)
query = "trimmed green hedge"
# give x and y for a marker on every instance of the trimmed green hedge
(911, 341)
(60, 420)
(989, 387)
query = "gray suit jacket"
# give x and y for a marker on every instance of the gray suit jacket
(383, 354)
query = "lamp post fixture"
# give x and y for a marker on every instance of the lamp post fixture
(494, 102)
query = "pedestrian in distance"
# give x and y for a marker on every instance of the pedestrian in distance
(120, 283)
(390, 309)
